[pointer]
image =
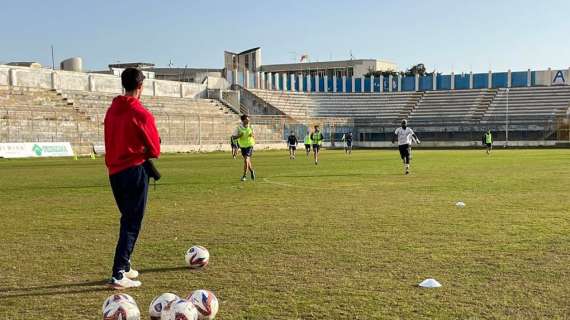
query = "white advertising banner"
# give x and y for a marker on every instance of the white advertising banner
(37, 149)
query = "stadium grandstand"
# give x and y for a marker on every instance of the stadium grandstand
(528, 108)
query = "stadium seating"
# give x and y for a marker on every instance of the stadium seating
(31, 115)
(460, 106)
(383, 108)
(530, 105)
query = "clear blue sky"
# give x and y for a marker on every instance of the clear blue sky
(457, 35)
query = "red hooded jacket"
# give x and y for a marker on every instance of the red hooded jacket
(131, 136)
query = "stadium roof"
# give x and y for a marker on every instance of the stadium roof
(317, 65)
(246, 51)
(181, 70)
(140, 65)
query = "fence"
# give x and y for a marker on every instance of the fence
(199, 132)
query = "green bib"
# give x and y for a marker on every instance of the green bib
(317, 138)
(246, 137)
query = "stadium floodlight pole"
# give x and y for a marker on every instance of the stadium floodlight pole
(507, 121)
(52, 59)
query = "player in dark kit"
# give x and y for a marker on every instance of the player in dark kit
(308, 143)
(347, 138)
(292, 143)
(405, 138)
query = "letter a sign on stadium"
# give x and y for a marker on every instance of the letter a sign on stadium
(559, 78)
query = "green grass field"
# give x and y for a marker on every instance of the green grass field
(348, 239)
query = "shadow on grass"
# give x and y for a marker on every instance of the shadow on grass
(55, 289)
(164, 269)
(57, 286)
(51, 187)
(52, 293)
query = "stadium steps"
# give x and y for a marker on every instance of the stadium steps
(405, 114)
(382, 107)
(528, 105)
(451, 106)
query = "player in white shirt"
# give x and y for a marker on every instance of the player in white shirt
(405, 138)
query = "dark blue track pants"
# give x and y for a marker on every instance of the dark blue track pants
(130, 188)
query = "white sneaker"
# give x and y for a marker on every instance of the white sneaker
(132, 274)
(124, 283)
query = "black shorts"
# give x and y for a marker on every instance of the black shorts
(234, 146)
(489, 145)
(293, 148)
(308, 147)
(405, 151)
(349, 143)
(247, 152)
(316, 147)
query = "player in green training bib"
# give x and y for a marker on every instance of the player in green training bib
(317, 139)
(488, 141)
(246, 140)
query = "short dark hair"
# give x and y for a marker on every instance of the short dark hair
(131, 78)
(243, 117)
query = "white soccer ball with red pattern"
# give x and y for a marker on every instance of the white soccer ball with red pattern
(179, 310)
(122, 310)
(206, 303)
(159, 303)
(116, 298)
(197, 257)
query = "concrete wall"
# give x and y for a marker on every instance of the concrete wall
(72, 80)
(552, 77)
(453, 144)
(232, 98)
(67, 80)
(4, 76)
(218, 147)
(217, 83)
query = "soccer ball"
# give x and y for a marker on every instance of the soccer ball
(116, 298)
(206, 303)
(460, 204)
(159, 303)
(122, 310)
(197, 257)
(179, 310)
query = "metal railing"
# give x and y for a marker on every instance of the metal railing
(27, 124)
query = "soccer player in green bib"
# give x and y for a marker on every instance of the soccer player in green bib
(308, 142)
(317, 139)
(488, 141)
(245, 137)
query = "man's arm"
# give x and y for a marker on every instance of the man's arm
(150, 136)
(416, 138)
(394, 137)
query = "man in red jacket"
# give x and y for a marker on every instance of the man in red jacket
(131, 138)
